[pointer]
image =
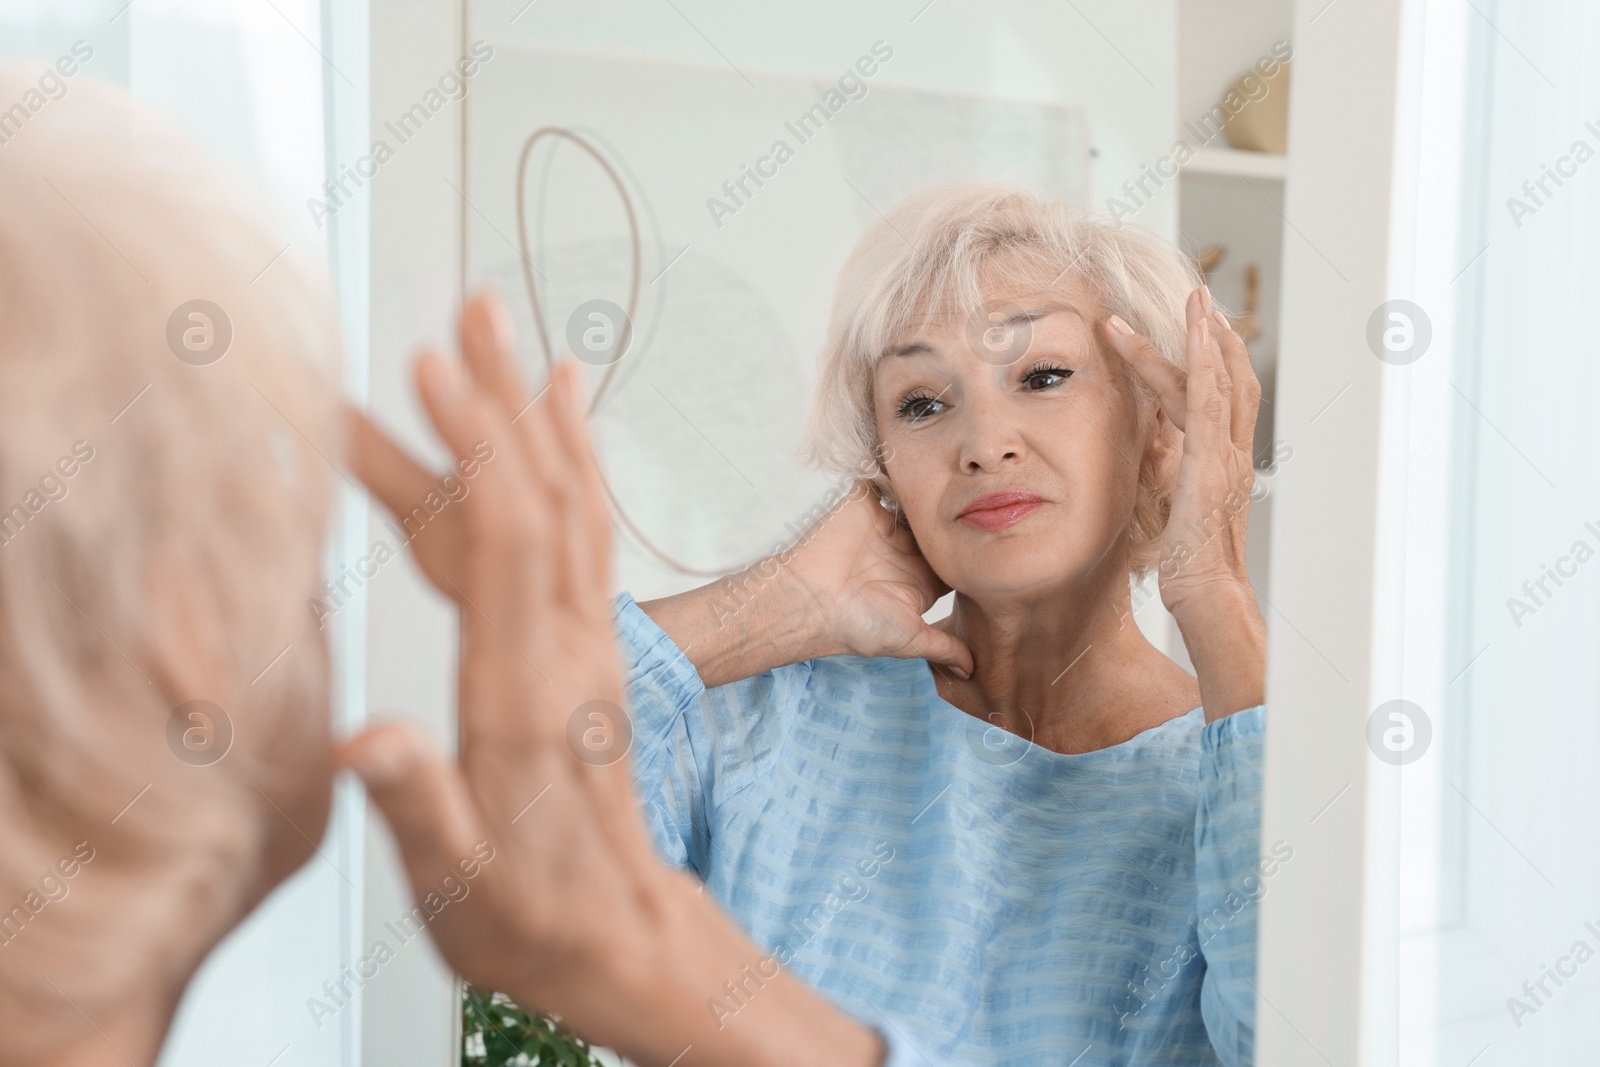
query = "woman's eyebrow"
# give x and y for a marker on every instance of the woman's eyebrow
(1037, 313)
(1029, 315)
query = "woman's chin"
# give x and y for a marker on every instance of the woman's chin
(1001, 568)
(992, 584)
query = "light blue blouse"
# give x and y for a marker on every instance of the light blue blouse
(976, 898)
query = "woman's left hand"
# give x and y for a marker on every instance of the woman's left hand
(1201, 567)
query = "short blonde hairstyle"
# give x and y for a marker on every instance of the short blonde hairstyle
(110, 220)
(932, 254)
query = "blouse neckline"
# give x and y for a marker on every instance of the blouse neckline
(1010, 754)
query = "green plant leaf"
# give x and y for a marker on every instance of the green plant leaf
(507, 1033)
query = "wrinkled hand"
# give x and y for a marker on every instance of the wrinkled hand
(1201, 568)
(528, 852)
(866, 576)
(531, 580)
(1215, 404)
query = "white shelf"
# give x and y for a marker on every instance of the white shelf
(1230, 162)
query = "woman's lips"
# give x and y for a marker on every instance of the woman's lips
(996, 511)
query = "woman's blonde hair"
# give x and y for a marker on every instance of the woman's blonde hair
(933, 253)
(132, 462)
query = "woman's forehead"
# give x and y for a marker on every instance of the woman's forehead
(1002, 332)
(1001, 301)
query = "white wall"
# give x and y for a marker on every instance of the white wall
(1116, 60)
(411, 1014)
(1218, 40)
(1312, 949)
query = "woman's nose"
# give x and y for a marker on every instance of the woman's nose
(990, 436)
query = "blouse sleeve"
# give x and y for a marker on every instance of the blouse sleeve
(1231, 875)
(693, 747)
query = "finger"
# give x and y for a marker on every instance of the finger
(1196, 307)
(463, 414)
(936, 646)
(928, 642)
(488, 345)
(560, 469)
(1169, 383)
(507, 516)
(398, 481)
(506, 592)
(547, 428)
(422, 797)
(904, 540)
(589, 521)
(1246, 400)
(1207, 414)
(488, 348)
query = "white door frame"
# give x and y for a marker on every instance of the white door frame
(411, 1012)
(1326, 924)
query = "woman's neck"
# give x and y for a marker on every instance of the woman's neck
(101, 978)
(132, 1034)
(1068, 669)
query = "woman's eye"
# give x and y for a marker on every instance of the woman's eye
(918, 406)
(1040, 378)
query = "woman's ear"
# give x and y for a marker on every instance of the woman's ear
(1163, 449)
(186, 653)
(889, 502)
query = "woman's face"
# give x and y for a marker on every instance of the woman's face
(1015, 443)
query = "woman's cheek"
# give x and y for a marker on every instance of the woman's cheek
(921, 512)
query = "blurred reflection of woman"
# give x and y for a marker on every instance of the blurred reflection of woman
(1021, 834)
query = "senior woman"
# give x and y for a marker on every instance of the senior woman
(1020, 834)
(1064, 806)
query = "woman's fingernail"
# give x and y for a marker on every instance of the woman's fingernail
(498, 315)
(1120, 326)
(1205, 294)
(444, 377)
(1205, 330)
(959, 673)
(379, 759)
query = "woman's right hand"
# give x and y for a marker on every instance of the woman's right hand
(865, 576)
